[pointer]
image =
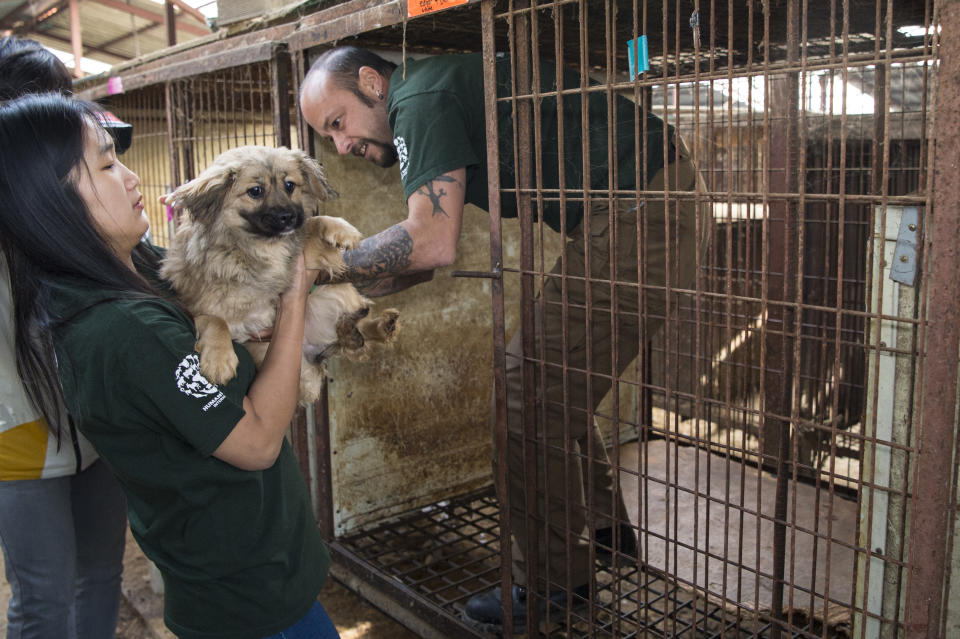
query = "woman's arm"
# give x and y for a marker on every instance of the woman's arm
(255, 441)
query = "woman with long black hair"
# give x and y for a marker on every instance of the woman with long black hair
(215, 495)
(63, 517)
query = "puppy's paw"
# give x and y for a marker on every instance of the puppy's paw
(218, 361)
(383, 328)
(218, 365)
(335, 231)
(311, 383)
(341, 233)
(349, 339)
(324, 242)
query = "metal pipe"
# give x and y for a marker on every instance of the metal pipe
(928, 530)
(499, 329)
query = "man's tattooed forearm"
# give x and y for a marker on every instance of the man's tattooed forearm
(378, 288)
(386, 253)
(428, 190)
(390, 285)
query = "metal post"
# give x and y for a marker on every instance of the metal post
(783, 253)
(172, 152)
(499, 328)
(76, 38)
(319, 455)
(933, 471)
(521, 50)
(305, 139)
(280, 95)
(170, 20)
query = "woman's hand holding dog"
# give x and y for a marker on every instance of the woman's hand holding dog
(302, 276)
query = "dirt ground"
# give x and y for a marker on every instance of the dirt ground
(141, 615)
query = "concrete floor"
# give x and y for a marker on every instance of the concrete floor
(141, 610)
(725, 509)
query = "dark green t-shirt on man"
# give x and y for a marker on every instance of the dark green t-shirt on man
(239, 551)
(436, 112)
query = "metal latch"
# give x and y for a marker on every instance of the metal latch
(495, 274)
(904, 267)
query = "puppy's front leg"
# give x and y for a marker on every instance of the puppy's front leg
(311, 382)
(325, 238)
(218, 361)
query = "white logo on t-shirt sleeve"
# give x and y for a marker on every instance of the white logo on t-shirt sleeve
(404, 160)
(191, 381)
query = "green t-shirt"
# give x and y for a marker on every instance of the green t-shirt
(240, 552)
(436, 113)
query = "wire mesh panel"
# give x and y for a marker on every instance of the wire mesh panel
(180, 126)
(758, 417)
(217, 111)
(149, 154)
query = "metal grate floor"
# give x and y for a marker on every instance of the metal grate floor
(446, 552)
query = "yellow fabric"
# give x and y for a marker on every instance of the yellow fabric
(23, 450)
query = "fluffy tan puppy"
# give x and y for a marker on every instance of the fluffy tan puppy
(244, 221)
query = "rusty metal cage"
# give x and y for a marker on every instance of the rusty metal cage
(771, 470)
(785, 444)
(185, 116)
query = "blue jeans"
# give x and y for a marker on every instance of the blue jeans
(315, 624)
(63, 542)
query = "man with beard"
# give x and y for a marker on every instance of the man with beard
(429, 117)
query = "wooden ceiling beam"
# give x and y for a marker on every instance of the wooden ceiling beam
(155, 17)
(29, 14)
(127, 36)
(76, 38)
(86, 47)
(190, 11)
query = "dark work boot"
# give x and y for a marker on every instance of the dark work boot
(485, 610)
(626, 546)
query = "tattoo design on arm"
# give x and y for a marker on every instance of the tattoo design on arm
(390, 285)
(428, 190)
(384, 254)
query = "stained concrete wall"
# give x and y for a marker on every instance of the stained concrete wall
(410, 426)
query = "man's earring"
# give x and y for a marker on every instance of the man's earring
(380, 94)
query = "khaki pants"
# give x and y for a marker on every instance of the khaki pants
(563, 477)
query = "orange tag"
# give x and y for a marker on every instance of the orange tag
(421, 7)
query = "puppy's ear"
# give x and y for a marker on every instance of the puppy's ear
(203, 196)
(316, 178)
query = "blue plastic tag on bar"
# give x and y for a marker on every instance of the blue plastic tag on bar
(637, 55)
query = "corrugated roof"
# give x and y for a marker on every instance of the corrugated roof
(112, 31)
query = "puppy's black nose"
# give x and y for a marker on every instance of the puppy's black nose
(276, 220)
(280, 220)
